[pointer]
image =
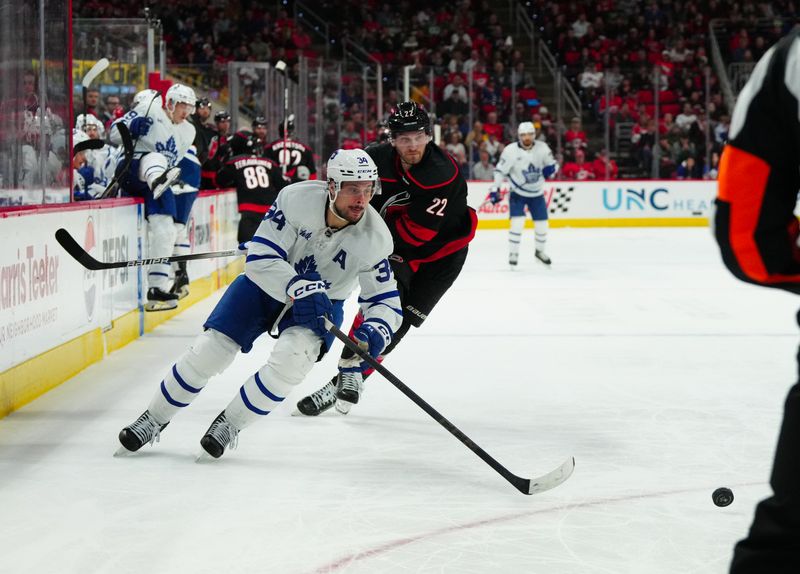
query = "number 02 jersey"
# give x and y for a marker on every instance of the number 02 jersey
(257, 181)
(425, 207)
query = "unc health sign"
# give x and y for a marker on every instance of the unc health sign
(622, 202)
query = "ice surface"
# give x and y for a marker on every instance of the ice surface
(637, 352)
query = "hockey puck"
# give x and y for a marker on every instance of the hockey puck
(722, 496)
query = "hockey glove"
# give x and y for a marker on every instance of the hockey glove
(311, 302)
(140, 126)
(495, 195)
(373, 338)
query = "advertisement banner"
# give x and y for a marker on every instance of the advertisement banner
(624, 202)
(47, 298)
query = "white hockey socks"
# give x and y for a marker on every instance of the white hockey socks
(540, 232)
(210, 354)
(160, 243)
(515, 235)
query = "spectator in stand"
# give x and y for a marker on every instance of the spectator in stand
(350, 137)
(686, 118)
(455, 148)
(93, 102)
(475, 137)
(575, 136)
(711, 171)
(643, 138)
(493, 128)
(113, 110)
(494, 146)
(604, 167)
(522, 77)
(683, 149)
(455, 88)
(689, 169)
(590, 80)
(721, 130)
(483, 169)
(579, 169)
(580, 26)
(454, 105)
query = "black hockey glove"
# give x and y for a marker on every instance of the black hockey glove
(402, 271)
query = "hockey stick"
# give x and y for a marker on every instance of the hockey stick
(127, 149)
(81, 256)
(524, 485)
(87, 145)
(98, 68)
(281, 67)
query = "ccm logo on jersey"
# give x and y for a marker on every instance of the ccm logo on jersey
(307, 288)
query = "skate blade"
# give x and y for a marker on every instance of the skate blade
(204, 458)
(160, 306)
(122, 452)
(343, 407)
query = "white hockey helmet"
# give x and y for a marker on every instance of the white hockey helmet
(78, 136)
(82, 121)
(352, 165)
(179, 94)
(144, 96)
(526, 128)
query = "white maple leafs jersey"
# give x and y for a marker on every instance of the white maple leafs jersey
(170, 140)
(294, 239)
(526, 169)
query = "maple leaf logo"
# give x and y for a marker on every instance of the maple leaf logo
(531, 173)
(169, 150)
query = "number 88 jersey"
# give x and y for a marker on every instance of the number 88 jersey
(257, 181)
(425, 207)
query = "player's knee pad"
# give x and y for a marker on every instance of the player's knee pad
(517, 224)
(151, 166)
(210, 354)
(160, 235)
(291, 360)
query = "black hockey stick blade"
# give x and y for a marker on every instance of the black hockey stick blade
(80, 255)
(127, 148)
(86, 145)
(524, 485)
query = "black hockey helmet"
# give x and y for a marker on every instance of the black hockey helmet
(202, 103)
(289, 126)
(243, 142)
(259, 121)
(222, 116)
(383, 132)
(408, 117)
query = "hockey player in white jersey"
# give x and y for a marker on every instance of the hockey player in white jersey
(526, 164)
(162, 137)
(316, 242)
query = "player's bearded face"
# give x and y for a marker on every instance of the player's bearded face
(353, 199)
(526, 139)
(411, 146)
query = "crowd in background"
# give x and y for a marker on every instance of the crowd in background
(609, 50)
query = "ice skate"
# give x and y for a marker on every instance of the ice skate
(542, 256)
(219, 436)
(181, 285)
(143, 430)
(513, 258)
(349, 385)
(160, 300)
(320, 401)
(163, 181)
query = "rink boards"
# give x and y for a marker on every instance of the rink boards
(57, 318)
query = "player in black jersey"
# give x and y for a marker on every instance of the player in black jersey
(257, 180)
(218, 150)
(424, 203)
(758, 233)
(295, 158)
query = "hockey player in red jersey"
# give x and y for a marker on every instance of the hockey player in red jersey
(424, 203)
(295, 158)
(256, 178)
(757, 230)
